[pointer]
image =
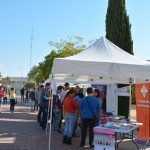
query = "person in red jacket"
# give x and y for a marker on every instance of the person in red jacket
(70, 107)
(1, 96)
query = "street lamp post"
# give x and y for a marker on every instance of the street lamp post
(21, 76)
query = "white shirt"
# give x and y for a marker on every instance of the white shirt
(62, 95)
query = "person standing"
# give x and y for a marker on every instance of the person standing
(33, 99)
(1, 96)
(96, 93)
(45, 97)
(12, 99)
(39, 116)
(5, 96)
(22, 94)
(36, 99)
(78, 96)
(70, 107)
(89, 107)
(57, 107)
(62, 95)
(27, 95)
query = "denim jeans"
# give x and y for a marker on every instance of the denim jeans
(69, 124)
(57, 119)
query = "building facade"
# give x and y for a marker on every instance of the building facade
(17, 83)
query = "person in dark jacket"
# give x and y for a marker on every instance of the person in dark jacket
(57, 107)
(22, 94)
(33, 99)
(39, 116)
(45, 97)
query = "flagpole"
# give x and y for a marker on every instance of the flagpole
(130, 100)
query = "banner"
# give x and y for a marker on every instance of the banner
(124, 91)
(101, 88)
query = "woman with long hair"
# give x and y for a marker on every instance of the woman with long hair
(96, 94)
(70, 107)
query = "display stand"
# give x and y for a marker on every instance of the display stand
(147, 143)
(104, 139)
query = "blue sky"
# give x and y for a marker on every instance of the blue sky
(57, 19)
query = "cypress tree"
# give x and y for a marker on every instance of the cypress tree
(118, 27)
(118, 31)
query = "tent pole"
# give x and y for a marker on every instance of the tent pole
(130, 99)
(50, 127)
(48, 116)
(53, 90)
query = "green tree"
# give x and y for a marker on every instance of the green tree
(118, 27)
(63, 48)
(30, 84)
(6, 81)
(118, 31)
(33, 73)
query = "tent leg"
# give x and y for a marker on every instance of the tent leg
(130, 100)
(48, 116)
(50, 127)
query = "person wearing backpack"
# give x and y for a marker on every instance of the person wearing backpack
(89, 107)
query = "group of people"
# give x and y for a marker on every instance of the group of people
(4, 94)
(74, 107)
(69, 104)
(88, 108)
(12, 97)
(24, 92)
(31, 95)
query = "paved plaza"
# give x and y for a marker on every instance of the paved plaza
(20, 131)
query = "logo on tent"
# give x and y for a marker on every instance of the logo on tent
(144, 91)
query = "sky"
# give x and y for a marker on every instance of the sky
(55, 20)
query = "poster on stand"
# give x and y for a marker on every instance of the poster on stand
(104, 139)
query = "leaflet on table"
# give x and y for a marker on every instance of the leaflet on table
(100, 130)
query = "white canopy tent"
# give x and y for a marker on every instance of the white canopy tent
(102, 62)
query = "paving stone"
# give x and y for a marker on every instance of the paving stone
(20, 131)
